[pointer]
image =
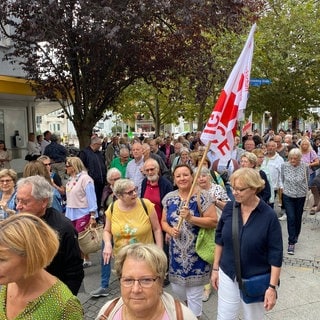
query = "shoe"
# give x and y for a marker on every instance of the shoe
(101, 292)
(283, 217)
(291, 249)
(206, 295)
(87, 264)
(313, 211)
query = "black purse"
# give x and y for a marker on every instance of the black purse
(252, 289)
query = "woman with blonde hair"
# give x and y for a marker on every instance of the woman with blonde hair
(28, 291)
(309, 157)
(260, 243)
(81, 206)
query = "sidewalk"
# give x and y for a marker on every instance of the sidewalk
(299, 296)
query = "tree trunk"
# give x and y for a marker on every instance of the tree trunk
(84, 133)
(157, 117)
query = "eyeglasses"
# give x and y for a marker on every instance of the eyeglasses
(150, 169)
(144, 282)
(6, 181)
(131, 192)
(68, 165)
(47, 164)
(239, 189)
(21, 201)
(115, 179)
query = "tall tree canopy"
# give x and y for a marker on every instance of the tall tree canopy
(85, 53)
(287, 51)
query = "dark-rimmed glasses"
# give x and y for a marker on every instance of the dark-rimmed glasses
(143, 282)
(131, 192)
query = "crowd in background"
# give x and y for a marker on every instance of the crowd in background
(103, 183)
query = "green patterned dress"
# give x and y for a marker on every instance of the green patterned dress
(57, 303)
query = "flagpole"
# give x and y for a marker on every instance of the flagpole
(195, 178)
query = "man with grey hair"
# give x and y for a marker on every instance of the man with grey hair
(34, 195)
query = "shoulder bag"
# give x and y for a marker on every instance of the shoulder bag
(205, 243)
(252, 289)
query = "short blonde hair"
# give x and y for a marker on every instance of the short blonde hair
(30, 237)
(249, 177)
(76, 163)
(252, 158)
(151, 254)
(121, 185)
(9, 172)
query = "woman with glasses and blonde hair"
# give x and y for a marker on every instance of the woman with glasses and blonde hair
(129, 220)
(261, 250)
(141, 269)
(81, 206)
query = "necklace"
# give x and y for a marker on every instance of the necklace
(72, 182)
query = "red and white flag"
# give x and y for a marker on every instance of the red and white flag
(247, 127)
(221, 126)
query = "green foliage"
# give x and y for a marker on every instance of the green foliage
(287, 52)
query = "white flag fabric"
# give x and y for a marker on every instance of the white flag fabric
(221, 126)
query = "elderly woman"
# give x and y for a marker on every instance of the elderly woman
(141, 269)
(81, 206)
(28, 291)
(295, 185)
(310, 157)
(129, 220)
(220, 198)
(8, 179)
(188, 273)
(183, 158)
(249, 160)
(260, 241)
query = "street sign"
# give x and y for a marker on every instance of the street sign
(257, 82)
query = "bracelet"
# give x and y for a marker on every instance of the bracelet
(272, 286)
(215, 269)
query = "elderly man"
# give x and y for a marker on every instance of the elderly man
(122, 161)
(93, 160)
(34, 195)
(134, 167)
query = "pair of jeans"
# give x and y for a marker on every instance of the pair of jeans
(294, 211)
(105, 271)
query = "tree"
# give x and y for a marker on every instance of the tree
(85, 53)
(287, 52)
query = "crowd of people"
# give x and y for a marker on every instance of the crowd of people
(153, 196)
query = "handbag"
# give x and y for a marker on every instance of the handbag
(205, 242)
(309, 202)
(90, 239)
(252, 289)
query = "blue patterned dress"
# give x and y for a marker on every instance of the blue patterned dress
(186, 268)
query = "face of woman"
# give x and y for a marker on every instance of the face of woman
(6, 184)
(130, 195)
(294, 160)
(204, 181)
(139, 299)
(183, 178)
(242, 193)
(1, 146)
(245, 163)
(260, 159)
(184, 157)
(304, 145)
(12, 266)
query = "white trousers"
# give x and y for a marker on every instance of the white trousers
(192, 295)
(230, 303)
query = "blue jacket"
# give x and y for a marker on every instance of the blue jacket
(260, 241)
